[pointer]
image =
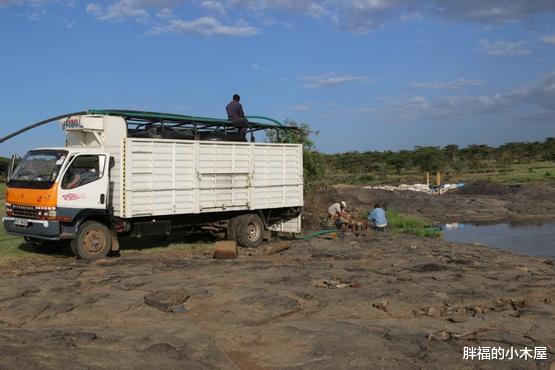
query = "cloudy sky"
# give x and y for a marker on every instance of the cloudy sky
(367, 74)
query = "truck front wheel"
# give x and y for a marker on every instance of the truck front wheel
(249, 230)
(93, 241)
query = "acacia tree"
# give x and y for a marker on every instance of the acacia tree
(452, 151)
(313, 161)
(429, 158)
(400, 160)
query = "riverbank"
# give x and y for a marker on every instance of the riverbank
(480, 202)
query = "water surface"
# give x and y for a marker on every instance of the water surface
(528, 239)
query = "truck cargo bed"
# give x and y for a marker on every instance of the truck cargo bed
(157, 177)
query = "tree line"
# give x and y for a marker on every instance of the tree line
(451, 158)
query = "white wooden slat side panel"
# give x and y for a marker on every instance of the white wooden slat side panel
(223, 171)
(277, 177)
(178, 177)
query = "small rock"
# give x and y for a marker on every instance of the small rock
(381, 306)
(433, 312)
(167, 300)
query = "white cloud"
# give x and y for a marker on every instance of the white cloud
(503, 48)
(255, 66)
(536, 99)
(312, 8)
(214, 6)
(300, 107)
(454, 85)
(164, 13)
(93, 9)
(363, 16)
(548, 39)
(206, 26)
(357, 16)
(332, 80)
(119, 10)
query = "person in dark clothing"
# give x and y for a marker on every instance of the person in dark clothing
(236, 115)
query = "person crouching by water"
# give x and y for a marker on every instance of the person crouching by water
(377, 218)
(337, 214)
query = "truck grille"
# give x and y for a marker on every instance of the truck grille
(24, 212)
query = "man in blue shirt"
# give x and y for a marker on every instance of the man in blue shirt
(377, 217)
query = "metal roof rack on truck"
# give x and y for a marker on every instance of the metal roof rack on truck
(178, 126)
(200, 126)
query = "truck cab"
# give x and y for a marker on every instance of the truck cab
(53, 189)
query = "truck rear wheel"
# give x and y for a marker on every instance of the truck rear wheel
(249, 230)
(93, 241)
(231, 227)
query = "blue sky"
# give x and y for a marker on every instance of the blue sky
(367, 74)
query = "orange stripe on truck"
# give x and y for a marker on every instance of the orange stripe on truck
(33, 197)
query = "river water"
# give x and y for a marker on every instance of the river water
(528, 239)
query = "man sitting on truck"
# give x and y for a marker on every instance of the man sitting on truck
(236, 115)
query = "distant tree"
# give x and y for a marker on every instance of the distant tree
(4, 164)
(400, 160)
(548, 149)
(313, 162)
(516, 151)
(430, 158)
(504, 159)
(452, 151)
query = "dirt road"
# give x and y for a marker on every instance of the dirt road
(378, 301)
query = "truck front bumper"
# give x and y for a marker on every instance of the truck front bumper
(40, 229)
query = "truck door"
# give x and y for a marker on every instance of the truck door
(84, 184)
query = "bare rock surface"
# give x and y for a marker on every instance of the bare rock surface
(374, 301)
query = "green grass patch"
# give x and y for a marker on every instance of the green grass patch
(409, 224)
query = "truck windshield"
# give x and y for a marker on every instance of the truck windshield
(38, 169)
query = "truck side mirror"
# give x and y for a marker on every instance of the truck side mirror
(11, 167)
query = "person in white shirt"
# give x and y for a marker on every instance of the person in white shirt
(337, 213)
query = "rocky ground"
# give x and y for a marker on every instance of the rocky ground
(376, 300)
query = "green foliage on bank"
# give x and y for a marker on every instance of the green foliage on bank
(411, 225)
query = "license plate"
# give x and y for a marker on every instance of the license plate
(21, 222)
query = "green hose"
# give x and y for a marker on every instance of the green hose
(283, 131)
(315, 234)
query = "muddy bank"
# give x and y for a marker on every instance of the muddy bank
(477, 203)
(378, 301)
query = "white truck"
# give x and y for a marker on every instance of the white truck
(140, 173)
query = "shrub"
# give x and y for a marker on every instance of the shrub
(411, 225)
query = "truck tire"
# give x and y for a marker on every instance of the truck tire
(93, 241)
(231, 227)
(249, 230)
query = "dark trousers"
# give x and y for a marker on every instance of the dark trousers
(242, 122)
